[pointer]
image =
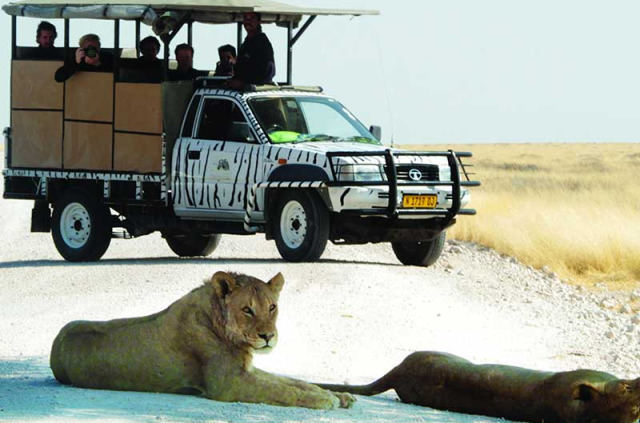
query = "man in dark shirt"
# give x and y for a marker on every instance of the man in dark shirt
(45, 37)
(148, 64)
(185, 70)
(149, 49)
(255, 63)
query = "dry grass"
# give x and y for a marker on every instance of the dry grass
(572, 207)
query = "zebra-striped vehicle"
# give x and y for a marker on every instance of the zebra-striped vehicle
(197, 160)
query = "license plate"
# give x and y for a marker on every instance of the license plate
(420, 201)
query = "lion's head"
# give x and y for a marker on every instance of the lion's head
(598, 397)
(250, 308)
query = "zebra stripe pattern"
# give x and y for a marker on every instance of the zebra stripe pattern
(273, 184)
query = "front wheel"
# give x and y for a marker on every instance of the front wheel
(81, 228)
(192, 245)
(301, 226)
(420, 253)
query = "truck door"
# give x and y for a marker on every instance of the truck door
(222, 161)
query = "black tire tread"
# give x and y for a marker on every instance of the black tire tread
(423, 253)
(192, 245)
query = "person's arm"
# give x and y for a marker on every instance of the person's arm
(264, 61)
(65, 72)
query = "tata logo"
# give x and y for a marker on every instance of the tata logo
(415, 174)
(223, 164)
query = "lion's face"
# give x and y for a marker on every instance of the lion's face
(251, 309)
(617, 401)
(601, 398)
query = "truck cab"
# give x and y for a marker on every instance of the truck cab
(196, 159)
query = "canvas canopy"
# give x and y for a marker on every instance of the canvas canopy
(207, 11)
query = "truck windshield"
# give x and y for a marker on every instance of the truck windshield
(308, 119)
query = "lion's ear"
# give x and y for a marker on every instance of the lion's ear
(276, 283)
(586, 392)
(223, 283)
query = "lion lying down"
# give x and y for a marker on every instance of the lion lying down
(201, 344)
(452, 383)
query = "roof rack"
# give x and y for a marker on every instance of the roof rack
(219, 81)
(210, 81)
(260, 88)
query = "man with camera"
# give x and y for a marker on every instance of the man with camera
(89, 58)
(227, 55)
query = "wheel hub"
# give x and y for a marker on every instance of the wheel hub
(293, 224)
(75, 225)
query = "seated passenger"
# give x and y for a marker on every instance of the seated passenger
(149, 49)
(227, 55)
(88, 58)
(46, 35)
(185, 70)
(255, 63)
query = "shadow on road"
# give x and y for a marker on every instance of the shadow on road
(146, 261)
(28, 392)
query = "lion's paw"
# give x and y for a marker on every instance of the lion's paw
(346, 400)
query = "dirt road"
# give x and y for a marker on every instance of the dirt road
(350, 317)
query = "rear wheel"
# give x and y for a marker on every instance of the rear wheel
(192, 245)
(420, 253)
(301, 226)
(81, 226)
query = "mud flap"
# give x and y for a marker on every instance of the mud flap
(40, 217)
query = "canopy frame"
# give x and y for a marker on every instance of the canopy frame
(180, 12)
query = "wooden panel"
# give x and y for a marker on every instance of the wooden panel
(87, 145)
(139, 107)
(37, 139)
(89, 96)
(137, 153)
(33, 86)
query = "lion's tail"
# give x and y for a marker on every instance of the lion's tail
(379, 386)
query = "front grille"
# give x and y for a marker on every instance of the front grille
(427, 172)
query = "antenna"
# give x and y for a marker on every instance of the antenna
(386, 86)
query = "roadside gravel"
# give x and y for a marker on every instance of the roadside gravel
(350, 317)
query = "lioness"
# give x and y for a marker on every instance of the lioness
(201, 344)
(447, 382)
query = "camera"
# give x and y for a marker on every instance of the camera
(224, 68)
(91, 52)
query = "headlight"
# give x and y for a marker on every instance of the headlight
(445, 173)
(361, 173)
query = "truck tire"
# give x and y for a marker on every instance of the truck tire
(421, 253)
(81, 226)
(301, 225)
(192, 245)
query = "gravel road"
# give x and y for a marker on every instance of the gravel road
(350, 317)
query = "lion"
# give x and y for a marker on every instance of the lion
(448, 382)
(201, 344)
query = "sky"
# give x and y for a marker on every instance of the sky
(448, 71)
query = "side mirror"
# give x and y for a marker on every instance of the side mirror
(376, 131)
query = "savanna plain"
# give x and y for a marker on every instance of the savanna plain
(574, 208)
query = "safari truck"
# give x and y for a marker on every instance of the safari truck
(111, 155)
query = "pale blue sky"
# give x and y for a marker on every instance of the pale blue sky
(454, 71)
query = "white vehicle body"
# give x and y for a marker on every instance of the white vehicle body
(194, 160)
(213, 178)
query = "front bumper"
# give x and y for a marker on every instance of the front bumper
(375, 201)
(384, 198)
